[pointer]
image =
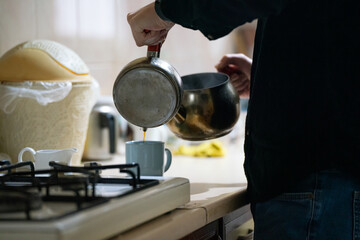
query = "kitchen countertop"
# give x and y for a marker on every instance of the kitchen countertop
(217, 188)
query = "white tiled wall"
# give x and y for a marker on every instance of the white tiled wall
(98, 31)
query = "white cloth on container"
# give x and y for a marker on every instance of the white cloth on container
(43, 92)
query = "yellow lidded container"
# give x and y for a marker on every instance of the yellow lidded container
(46, 96)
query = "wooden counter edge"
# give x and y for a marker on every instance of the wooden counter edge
(173, 225)
(193, 216)
(221, 205)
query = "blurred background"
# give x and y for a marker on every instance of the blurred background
(98, 32)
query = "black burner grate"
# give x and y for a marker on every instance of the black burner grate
(27, 191)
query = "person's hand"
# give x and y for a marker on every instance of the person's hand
(238, 67)
(147, 27)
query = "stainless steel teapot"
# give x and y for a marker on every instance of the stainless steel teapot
(149, 92)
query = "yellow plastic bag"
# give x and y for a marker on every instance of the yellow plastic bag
(207, 149)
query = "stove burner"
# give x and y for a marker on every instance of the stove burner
(18, 200)
(28, 190)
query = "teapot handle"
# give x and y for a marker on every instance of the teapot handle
(153, 50)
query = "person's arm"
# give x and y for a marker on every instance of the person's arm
(217, 18)
(214, 18)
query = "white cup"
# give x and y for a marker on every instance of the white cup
(43, 157)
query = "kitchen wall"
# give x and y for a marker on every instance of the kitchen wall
(98, 31)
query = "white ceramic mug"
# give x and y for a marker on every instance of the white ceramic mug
(43, 157)
(150, 155)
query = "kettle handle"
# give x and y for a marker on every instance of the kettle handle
(153, 50)
(108, 120)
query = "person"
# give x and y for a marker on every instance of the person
(302, 143)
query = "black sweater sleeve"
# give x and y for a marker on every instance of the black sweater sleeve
(217, 18)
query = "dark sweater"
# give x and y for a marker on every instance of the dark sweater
(304, 108)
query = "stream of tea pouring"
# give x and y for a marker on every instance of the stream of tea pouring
(144, 129)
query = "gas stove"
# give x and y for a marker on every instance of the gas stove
(68, 202)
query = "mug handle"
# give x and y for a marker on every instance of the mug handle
(168, 159)
(27, 149)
